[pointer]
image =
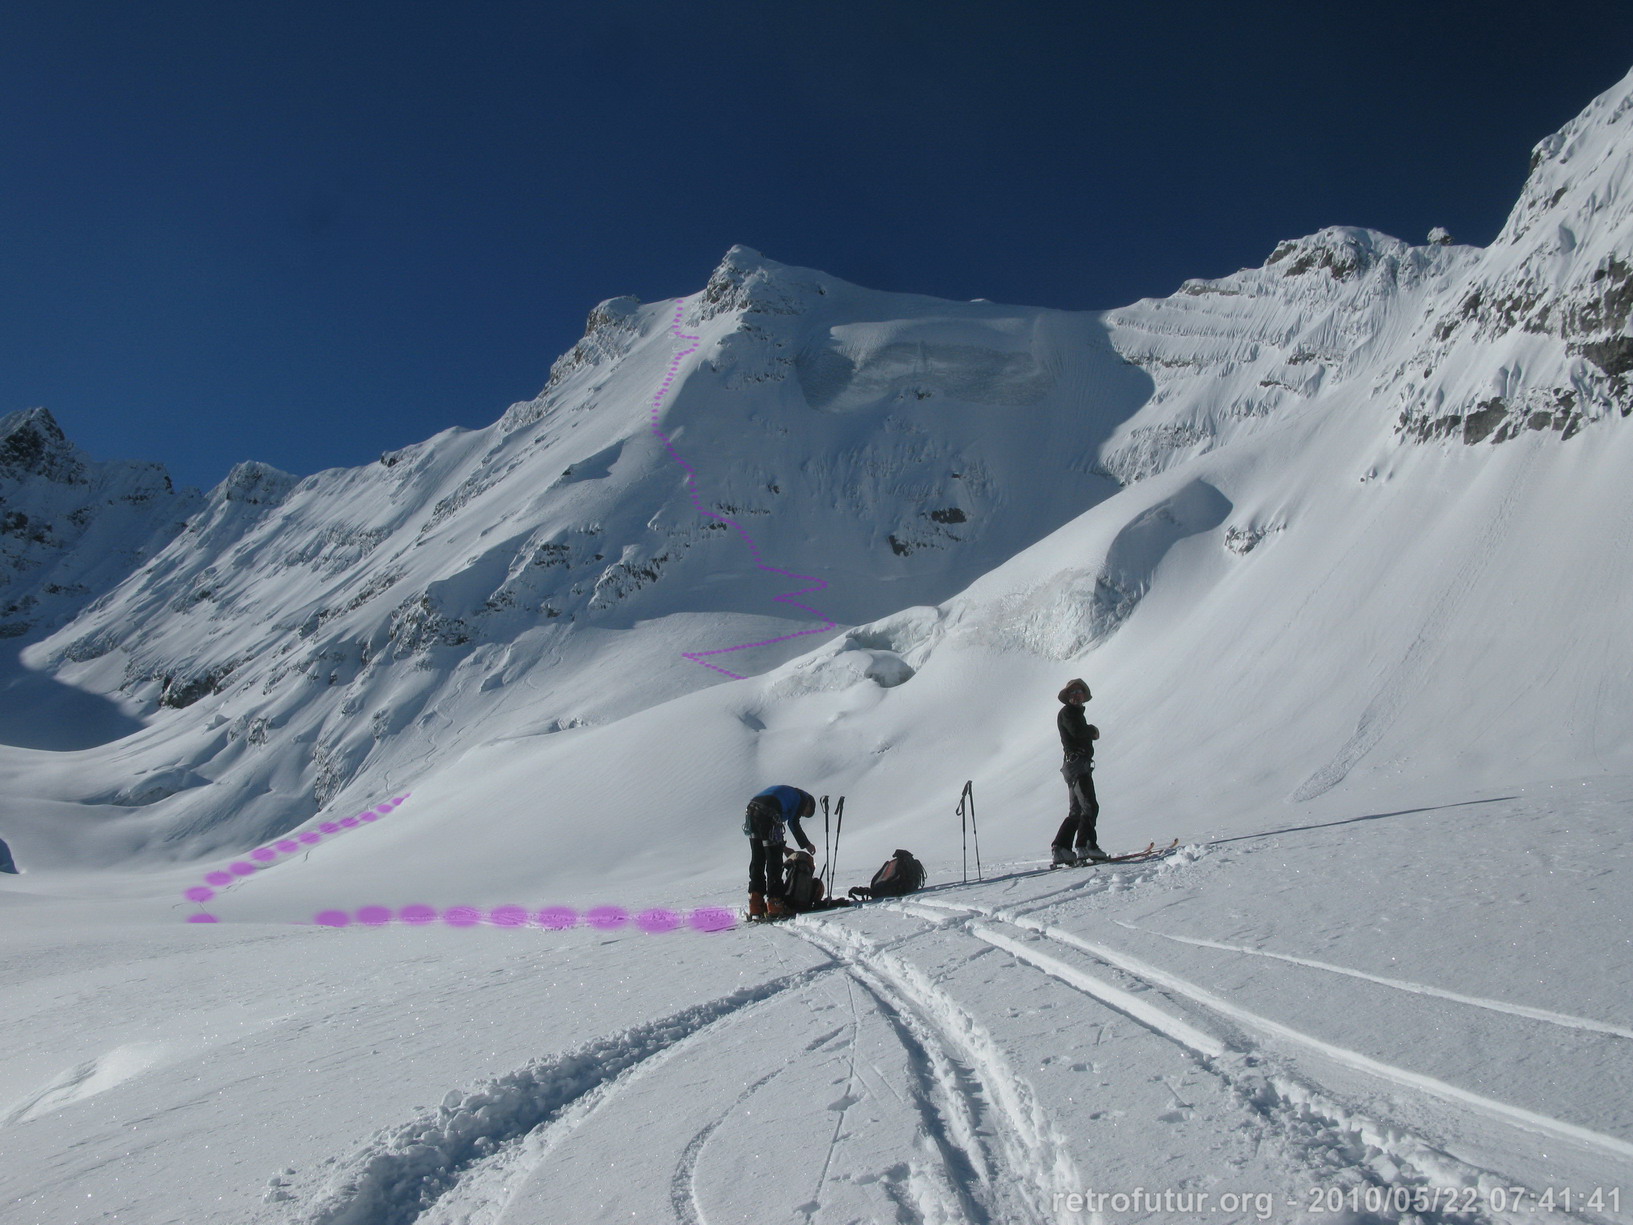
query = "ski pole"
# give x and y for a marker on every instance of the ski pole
(839, 828)
(964, 834)
(967, 826)
(827, 854)
(975, 830)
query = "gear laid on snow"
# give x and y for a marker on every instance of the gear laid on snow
(7, 864)
(1096, 856)
(804, 888)
(899, 874)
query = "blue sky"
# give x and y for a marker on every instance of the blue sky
(306, 233)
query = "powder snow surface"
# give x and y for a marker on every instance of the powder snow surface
(1389, 995)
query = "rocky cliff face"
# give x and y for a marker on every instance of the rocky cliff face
(1456, 343)
(1536, 335)
(1231, 354)
(72, 529)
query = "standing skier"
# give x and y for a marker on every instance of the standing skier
(1075, 841)
(768, 813)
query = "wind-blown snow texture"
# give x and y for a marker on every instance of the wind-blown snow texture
(1344, 545)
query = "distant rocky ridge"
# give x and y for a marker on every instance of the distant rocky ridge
(1471, 344)
(72, 529)
(1231, 352)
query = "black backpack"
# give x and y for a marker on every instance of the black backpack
(804, 886)
(900, 874)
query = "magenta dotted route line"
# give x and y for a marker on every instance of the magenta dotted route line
(265, 856)
(551, 918)
(789, 597)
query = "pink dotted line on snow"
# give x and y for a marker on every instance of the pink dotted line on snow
(551, 918)
(700, 657)
(264, 856)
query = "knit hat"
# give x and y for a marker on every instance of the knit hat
(1079, 683)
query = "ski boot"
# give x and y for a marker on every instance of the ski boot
(1062, 857)
(756, 907)
(1092, 854)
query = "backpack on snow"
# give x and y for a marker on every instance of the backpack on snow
(900, 874)
(804, 887)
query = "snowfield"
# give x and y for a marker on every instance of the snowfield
(1330, 1005)
(1342, 544)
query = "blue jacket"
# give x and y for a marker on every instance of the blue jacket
(788, 801)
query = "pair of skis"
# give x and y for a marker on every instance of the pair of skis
(828, 904)
(1150, 852)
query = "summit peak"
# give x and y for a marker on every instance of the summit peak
(31, 441)
(747, 282)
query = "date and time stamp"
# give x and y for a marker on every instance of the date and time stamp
(1343, 1202)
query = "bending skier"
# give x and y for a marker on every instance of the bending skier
(768, 814)
(1075, 841)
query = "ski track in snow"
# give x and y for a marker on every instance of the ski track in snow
(967, 1071)
(941, 1092)
(849, 1095)
(955, 1186)
(1400, 984)
(1235, 1061)
(789, 597)
(402, 1172)
(683, 1185)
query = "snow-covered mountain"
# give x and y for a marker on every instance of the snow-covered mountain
(302, 642)
(1342, 544)
(784, 452)
(71, 530)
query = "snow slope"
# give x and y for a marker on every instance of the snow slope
(1353, 623)
(1240, 1022)
(305, 645)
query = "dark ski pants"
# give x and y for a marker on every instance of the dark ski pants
(765, 842)
(1077, 830)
